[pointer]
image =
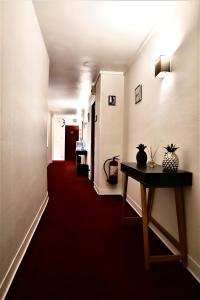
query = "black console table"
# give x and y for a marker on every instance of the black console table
(152, 178)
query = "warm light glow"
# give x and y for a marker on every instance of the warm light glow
(161, 75)
(64, 103)
(171, 26)
(85, 89)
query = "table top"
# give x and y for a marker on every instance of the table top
(81, 152)
(156, 177)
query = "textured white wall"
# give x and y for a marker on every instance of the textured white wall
(1, 110)
(198, 208)
(109, 127)
(169, 113)
(24, 83)
(58, 138)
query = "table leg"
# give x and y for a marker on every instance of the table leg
(180, 211)
(145, 226)
(125, 187)
(124, 195)
(150, 202)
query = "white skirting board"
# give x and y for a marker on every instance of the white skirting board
(111, 191)
(193, 267)
(8, 278)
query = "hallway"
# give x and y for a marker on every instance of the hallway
(58, 68)
(81, 251)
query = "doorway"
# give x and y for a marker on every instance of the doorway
(92, 141)
(71, 136)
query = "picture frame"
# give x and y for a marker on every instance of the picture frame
(138, 93)
(111, 100)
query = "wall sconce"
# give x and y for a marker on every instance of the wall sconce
(162, 66)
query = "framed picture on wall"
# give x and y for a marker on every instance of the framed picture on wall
(111, 100)
(138, 93)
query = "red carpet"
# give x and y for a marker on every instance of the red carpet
(81, 251)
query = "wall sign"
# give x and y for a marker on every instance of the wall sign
(111, 100)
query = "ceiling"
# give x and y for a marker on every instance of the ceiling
(84, 37)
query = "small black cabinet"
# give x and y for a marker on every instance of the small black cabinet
(81, 168)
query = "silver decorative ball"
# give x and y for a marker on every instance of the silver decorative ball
(170, 162)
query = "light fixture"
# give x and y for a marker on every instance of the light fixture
(162, 66)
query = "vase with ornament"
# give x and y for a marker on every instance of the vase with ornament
(152, 155)
(141, 156)
(170, 161)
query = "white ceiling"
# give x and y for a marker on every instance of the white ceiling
(84, 37)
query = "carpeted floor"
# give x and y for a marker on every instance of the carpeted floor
(81, 250)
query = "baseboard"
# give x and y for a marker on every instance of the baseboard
(113, 190)
(96, 188)
(193, 266)
(8, 278)
(49, 163)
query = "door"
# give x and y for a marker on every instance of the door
(71, 136)
(92, 141)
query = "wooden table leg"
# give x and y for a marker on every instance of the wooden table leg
(180, 211)
(150, 202)
(145, 226)
(125, 187)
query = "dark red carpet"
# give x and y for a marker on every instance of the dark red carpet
(81, 251)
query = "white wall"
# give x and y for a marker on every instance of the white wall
(49, 138)
(169, 113)
(24, 83)
(58, 134)
(198, 207)
(1, 111)
(108, 128)
(58, 138)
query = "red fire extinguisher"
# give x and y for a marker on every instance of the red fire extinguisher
(112, 173)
